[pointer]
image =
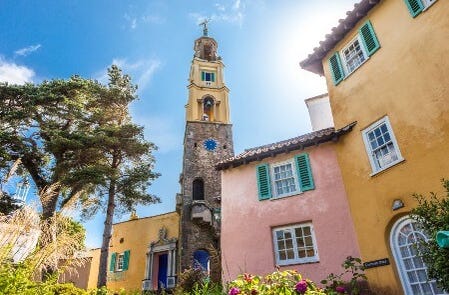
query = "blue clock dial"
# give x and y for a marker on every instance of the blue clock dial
(210, 144)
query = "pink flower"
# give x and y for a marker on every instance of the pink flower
(234, 291)
(340, 289)
(301, 287)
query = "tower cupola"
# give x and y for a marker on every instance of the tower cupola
(208, 94)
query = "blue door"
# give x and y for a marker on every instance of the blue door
(162, 272)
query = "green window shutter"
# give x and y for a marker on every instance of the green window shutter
(203, 76)
(263, 182)
(369, 38)
(213, 77)
(112, 264)
(336, 68)
(126, 260)
(414, 7)
(304, 172)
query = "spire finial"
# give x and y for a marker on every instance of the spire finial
(204, 24)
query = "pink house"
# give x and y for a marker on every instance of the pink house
(284, 204)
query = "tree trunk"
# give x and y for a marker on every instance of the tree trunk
(48, 201)
(107, 233)
(49, 205)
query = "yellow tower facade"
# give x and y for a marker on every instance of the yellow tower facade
(208, 94)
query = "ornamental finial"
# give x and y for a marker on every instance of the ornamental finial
(204, 24)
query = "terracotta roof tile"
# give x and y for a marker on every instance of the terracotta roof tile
(270, 150)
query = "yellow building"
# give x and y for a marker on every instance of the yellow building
(387, 67)
(142, 254)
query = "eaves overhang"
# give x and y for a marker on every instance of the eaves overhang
(313, 62)
(297, 143)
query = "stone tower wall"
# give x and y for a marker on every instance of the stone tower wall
(199, 162)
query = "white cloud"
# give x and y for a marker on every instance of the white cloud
(141, 71)
(134, 21)
(153, 19)
(220, 7)
(131, 20)
(27, 50)
(233, 12)
(15, 74)
(236, 5)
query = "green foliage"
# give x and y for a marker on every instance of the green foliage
(67, 132)
(105, 291)
(125, 159)
(206, 288)
(287, 282)
(336, 283)
(6, 204)
(20, 277)
(190, 279)
(432, 215)
(46, 126)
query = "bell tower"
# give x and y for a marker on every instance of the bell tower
(207, 141)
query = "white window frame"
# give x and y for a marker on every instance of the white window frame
(412, 259)
(120, 261)
(295, 179)
(296, 259)
(343, 56)
(374, 166)
(427, 3)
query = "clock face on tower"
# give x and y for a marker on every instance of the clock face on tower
(210, 144)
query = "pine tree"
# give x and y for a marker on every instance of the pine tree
(127, 160)
(45, 126)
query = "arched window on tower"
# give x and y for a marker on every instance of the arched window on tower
(201, 260)
(208, 109)
(198, 189)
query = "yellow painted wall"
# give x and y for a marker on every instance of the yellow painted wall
(94, 267)
(199, 89)
(408, 80)
(137, 235)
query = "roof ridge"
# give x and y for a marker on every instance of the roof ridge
(270, 150)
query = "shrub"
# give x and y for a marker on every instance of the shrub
(336, 284)
(18, 273)
(190, 279)
(432, 215)
(287, 282)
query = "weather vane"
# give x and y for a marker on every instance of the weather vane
(204, 24)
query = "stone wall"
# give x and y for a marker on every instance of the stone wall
(198, 162)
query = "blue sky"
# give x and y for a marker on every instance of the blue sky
(261, 43)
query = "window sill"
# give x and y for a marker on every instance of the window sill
(399, 161)
(299, 262)
(292, 194)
